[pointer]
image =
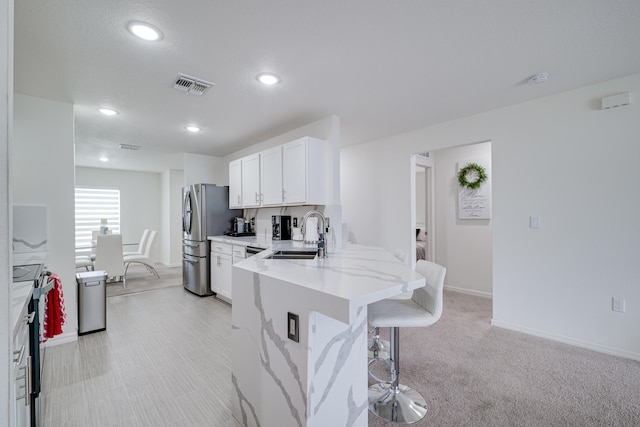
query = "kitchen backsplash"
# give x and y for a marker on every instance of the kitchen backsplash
(29, 229)
(263, 216)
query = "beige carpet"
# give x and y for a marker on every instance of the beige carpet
(140, 280)
(473, 374)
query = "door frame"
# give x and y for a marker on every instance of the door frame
(421, 161)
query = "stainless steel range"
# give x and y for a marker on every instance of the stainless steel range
(37, 274)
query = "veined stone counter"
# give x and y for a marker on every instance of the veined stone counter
(322, 379)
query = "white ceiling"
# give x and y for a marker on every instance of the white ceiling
(383, 66)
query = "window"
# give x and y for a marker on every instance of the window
(92, 205)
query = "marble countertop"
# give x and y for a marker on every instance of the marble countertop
(264, 242)
(349, 278)
(20, 296)
(259, 241)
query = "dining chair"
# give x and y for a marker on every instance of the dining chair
(109, 256)
(144, 258)
(84, 261)
(143, 242)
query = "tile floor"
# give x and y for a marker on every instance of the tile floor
(164, 360)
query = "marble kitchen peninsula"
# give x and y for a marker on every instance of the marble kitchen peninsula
(322, 379)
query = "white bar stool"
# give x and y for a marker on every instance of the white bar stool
(393, 401)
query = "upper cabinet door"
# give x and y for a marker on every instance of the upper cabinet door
(235, 184)
(294, 171)
(271, 176)
(251, 181)
(289, 174)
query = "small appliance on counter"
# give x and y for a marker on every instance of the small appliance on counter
(281, 227)
(241, 227)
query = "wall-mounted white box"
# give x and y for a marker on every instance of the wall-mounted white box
(616, 101)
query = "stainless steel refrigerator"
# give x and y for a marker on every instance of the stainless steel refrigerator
(205, 212)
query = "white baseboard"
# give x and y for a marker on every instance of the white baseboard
(469, 292)
(179, 264)
(64, 338)
(568, 340)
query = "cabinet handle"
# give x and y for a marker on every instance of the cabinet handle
(29, 318)
(218, 261)
(238, 198)
(27, 373)
(284, 194)
(27, 382)
(257, 197)
(18, 354)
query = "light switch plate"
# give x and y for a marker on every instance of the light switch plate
(534, 222)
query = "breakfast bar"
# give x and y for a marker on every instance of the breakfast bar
(299, 334)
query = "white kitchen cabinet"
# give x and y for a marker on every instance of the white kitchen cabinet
(289, 174)
(271, 176)
(235, 184)
(221, 262)
(304, 172)
(251, 181)
(239, 253)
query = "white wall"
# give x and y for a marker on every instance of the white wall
(558, 157)
(43, 174)
(6, 108)
(463, 245)
(171, 250)
(421, 198)
(199, 169)
(140, 201)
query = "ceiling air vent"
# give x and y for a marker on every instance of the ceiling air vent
(191, 85)
(129, 147)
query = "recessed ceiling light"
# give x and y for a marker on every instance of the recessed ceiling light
(193, 129)
(268, 78)
(108, 111)
(144, 31)
(104, 159)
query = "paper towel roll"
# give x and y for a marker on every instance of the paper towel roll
(297, 234)
(311, 230)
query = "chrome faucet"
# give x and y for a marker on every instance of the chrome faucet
(322, 251)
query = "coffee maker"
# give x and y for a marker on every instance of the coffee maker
(281, 227)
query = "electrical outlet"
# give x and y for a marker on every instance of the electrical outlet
(617, 304)
(293, 327)
(295, 221)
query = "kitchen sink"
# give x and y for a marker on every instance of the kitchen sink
(293, 255)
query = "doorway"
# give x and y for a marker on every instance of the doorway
(423, 208)
(462, 243)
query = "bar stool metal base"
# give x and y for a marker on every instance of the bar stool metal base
(402, 405)
(378, 349)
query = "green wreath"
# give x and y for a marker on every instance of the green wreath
(471, 171)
